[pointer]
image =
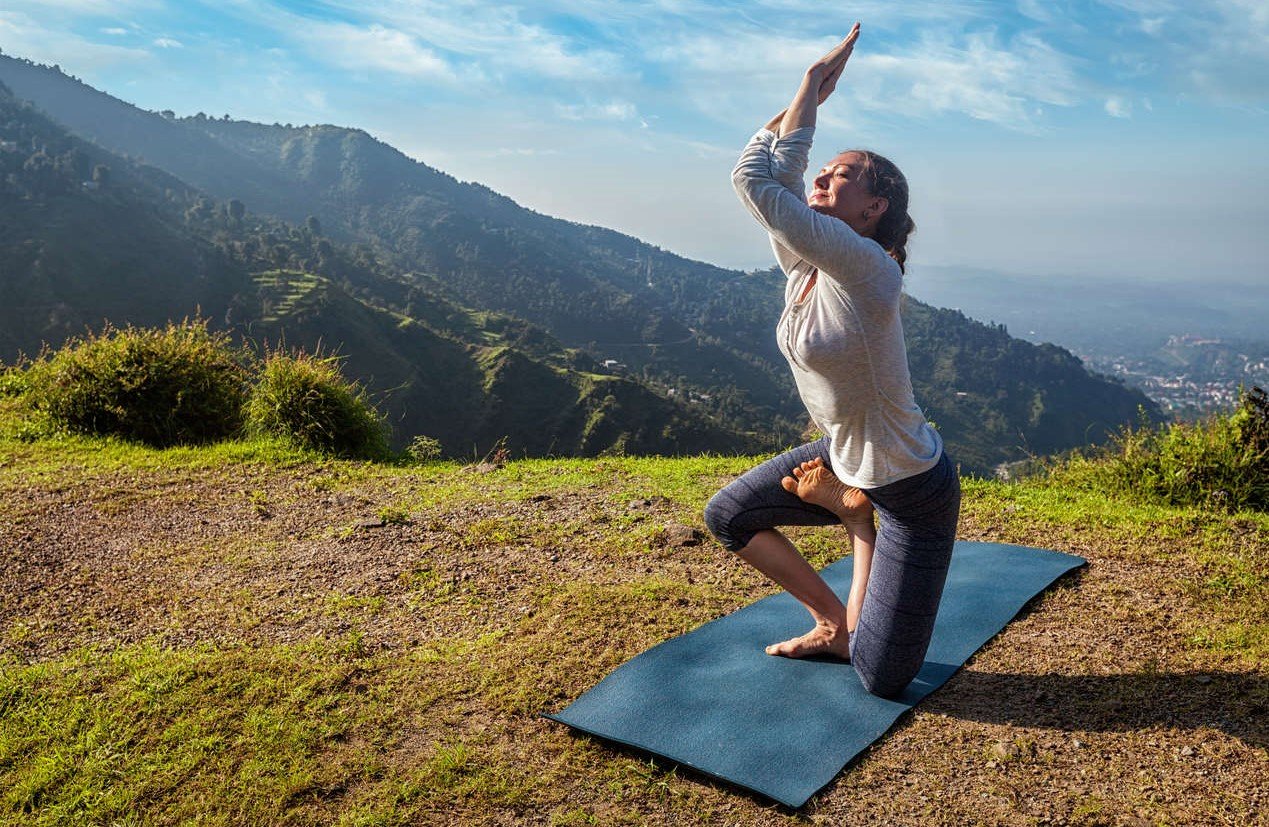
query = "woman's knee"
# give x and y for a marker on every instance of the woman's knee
(719, 515)
(883, 670)
(884, 683)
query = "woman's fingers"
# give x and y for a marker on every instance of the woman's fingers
(829, 83)
(830, 67)
(834, 63)
(841, 51)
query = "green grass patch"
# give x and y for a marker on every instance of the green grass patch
(85, 457)
(1220, 463)
(1218, 560)
(218, 737)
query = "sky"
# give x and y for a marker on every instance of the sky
(1116, 139)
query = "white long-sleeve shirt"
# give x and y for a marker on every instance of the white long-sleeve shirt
(844, 341)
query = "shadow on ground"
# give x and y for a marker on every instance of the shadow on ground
(1234, 703)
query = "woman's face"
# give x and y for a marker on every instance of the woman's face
(840, 190)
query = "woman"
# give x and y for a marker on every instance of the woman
(843, 250)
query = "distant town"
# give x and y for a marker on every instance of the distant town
(1190, 376)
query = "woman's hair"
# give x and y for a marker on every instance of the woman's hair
(884, 180)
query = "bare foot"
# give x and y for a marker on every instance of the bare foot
(822, 640)
(815, 483)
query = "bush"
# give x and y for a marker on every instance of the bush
(161, 386)
(13, 382)
(305, 400)
(1221, 462)
(423, 449)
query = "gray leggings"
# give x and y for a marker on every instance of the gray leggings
(917, 528)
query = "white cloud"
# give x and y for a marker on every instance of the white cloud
(610, 111)
(492, 39)
(519, 152)
(24, 37)
(168, 43)
(316, 99)
(115, 30)
(1221, 51)
(973, 75)
(978, 77)
(84, 7)
(1117, 107)
(374, 47)
(1036, 10)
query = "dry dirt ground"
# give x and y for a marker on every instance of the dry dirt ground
(1091, 708)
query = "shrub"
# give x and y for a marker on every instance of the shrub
(1221, 462)
(161, 386)
(305, 400)
(13, 382)
(424, 449)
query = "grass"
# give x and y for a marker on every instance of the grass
(175, 723)
(281, 665)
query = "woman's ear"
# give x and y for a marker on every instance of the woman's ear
(878, 206)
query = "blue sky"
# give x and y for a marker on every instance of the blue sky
(1115, 139)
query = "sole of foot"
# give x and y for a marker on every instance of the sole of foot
(815, 482)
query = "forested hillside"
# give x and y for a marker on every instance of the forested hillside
(91, 238)
(683, 326)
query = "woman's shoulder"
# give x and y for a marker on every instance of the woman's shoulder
(873, 269)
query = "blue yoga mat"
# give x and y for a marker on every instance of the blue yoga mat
(714, 701)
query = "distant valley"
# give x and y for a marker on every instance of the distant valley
(1187, 346)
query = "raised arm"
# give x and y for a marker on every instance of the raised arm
(817, 84)
(768, 179)
(788, 164)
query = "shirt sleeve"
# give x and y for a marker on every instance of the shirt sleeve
(768, 180)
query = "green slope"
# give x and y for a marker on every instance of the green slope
(142, 248)
(72, 257)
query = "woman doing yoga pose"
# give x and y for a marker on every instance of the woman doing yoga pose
(843, 250)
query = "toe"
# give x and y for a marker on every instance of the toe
(789, 484)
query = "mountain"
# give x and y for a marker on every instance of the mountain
(588, 286)
(91, 237)
(88, 238)
(470, 397)
(680, 325)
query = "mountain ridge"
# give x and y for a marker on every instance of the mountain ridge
(123, 252)
(681, 325)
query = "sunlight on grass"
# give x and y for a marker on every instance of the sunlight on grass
(346, 724)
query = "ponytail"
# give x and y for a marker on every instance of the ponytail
(886, 181)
